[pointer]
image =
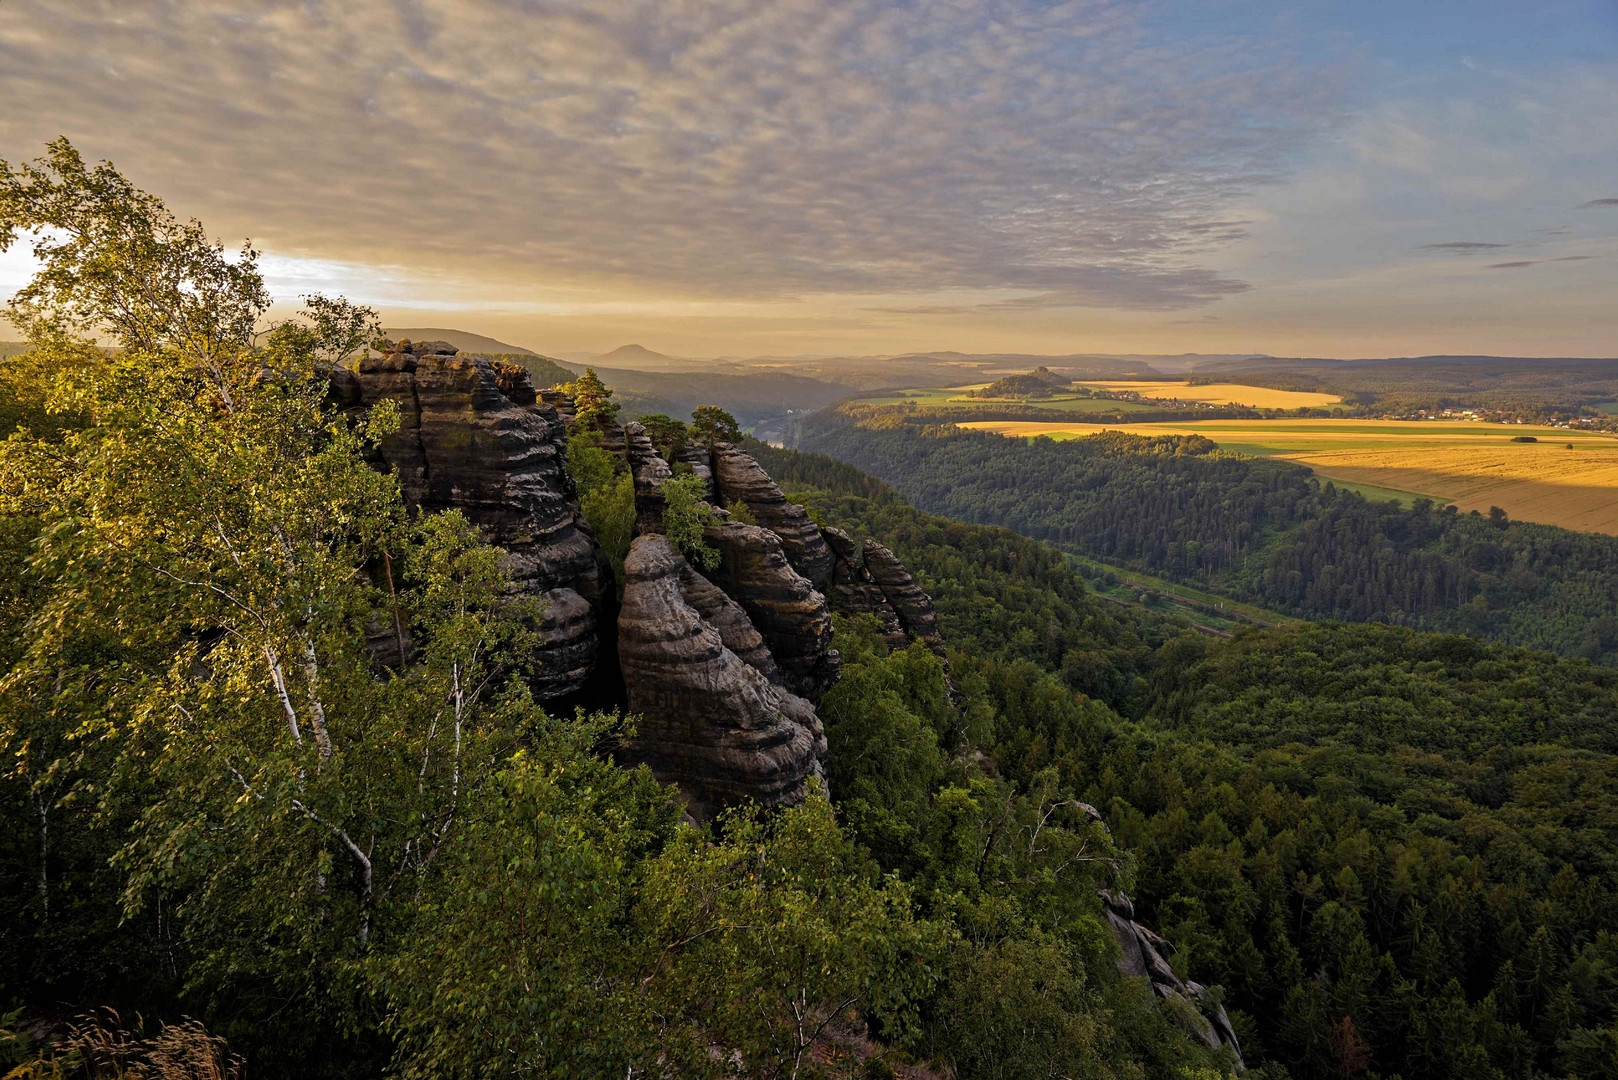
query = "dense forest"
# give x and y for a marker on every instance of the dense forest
(1258, 530)
(1396, 851)
(1390, 853)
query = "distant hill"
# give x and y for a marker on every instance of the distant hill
(461, 339)
(1513, 384)
(641, 358)
(13, 348)
(750, 394)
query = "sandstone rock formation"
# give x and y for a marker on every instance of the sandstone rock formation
(649, 471)
(739, 479)
(709, 721)
(857, 592)
(562, 402)
(793, 618)
(474, 437)
(697, 458)
(911, 606)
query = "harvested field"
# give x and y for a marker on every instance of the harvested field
(1475, 466)
(1255, 397)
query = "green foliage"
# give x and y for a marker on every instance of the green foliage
(668, 435)
(626, 942)
(1407, 830)
(606, 495)
(686, 514)
(1255, 529)
(341, 330)
(593, 406)
(711, 424)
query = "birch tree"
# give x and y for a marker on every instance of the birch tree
(199, 601)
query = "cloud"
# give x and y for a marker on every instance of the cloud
(745, 148)
(923, 309)
(1459, 245)
(1573, 258)
(1598, 202)
(1518, 265)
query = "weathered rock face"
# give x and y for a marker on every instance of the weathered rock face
(561, 402)
(649, 471)
(1143, 958)
(710, 721)
(474, 437)
(857, 592)
(738, 478)
(725, 615)
(792, 617)
(912, 606)
(697, 458)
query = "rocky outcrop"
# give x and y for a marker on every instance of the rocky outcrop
(562, 402)
(709, 721)
(474, 436)
(856, 592)
(913, 607)
(696, 456)
(790, 614)
(739, 479)
(1141, 955)
(725, 615)
(649, 471)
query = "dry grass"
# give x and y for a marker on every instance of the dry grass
(1475, 466)
(1255, 397)
(98, 1047)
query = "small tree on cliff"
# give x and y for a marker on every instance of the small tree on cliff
(592, 401)
(711, 424)
(667, 434)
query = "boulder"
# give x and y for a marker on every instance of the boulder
(708, 721)
(739, 479)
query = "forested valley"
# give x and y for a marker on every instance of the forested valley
(232, 831)
(1380, 842)
(1263, 531)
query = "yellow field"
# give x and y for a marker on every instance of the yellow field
(1475, 466)
(1255, 397)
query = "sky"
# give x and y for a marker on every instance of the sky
(796, 177)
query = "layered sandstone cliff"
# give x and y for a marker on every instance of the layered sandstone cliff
(709, 721)
(721, 668)
(474, 437)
